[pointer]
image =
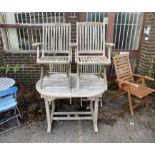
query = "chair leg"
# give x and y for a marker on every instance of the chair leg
(101, 102)
(18, 112)
(130, 103)
(15, 116)
(146, 101)
(41, 77)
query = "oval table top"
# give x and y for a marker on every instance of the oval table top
(56, 86)
(6, 83)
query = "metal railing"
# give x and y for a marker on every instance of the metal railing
(21, 38)
(127, 28)
(126, 33)
(95, 16)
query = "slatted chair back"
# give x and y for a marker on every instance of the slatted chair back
(91, 38)
(56, 38)
(123, 68)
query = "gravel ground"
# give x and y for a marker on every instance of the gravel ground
(115, 124)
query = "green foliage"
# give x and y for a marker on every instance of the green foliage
(16, 68)
(115, 54)
(151, 72)
(7, 68)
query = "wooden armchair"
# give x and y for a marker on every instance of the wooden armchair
(127, 84)
(90, 56)
(56, 48)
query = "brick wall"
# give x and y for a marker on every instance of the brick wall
(147, 49)
(29, 72)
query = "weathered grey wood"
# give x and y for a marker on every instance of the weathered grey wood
(52, 111)
(91, 48)
(72, 118)
(95, 116)
(41, 77)
(48, 115)
(56, 86)
(56, 39)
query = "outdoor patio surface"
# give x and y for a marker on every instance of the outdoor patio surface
(115, 125)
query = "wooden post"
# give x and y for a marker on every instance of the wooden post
(110, 28)
(81, 16)
(66, 17)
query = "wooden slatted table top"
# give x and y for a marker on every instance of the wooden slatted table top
(56, 86)
(6, 83)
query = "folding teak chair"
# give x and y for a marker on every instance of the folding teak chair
(91, 57)
(127, 83)
(8, 103)
(56, 48)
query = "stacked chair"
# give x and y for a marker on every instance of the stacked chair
(8, 105)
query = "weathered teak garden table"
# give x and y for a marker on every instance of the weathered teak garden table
(56, 86)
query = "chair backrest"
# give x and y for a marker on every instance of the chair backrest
(91, 37)
(123, 68)
(56, 38)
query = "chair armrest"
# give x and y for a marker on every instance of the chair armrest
(9, 91)
(110, 44)
(144, 77)
(37, 44)
(73, 44)
(127, 82)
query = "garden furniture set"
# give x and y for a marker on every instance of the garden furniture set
(90, 80)
(92, 55)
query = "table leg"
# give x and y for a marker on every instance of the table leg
(95, 116)
(52, 112)
(48, 116)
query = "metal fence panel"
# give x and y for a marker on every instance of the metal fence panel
(26, 36)
(127, 28)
